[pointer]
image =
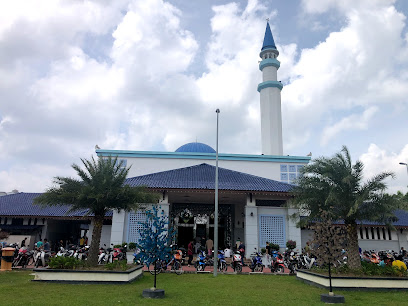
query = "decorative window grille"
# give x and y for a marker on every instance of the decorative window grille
(134, 226)
(292, 168)
(272, 229)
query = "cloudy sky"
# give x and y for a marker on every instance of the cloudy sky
(148, 75)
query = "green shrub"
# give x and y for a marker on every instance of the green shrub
(117, 265)
(132, 246)
(124, 244)
(263, 250)
(367, 269)
(65, 263)
(117, 246)
(274, 247)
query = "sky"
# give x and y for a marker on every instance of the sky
(149, 75)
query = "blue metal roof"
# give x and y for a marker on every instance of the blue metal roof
(203, 177)
(21, 204)
(196, 147)
(268, 42)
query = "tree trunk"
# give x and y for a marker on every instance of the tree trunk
(96, 239)
(353, 255)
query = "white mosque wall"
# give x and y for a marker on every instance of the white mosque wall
(148, 165)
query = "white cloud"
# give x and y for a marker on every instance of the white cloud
(378, 160)
(361, 65)
(119, 74)
(352, 122)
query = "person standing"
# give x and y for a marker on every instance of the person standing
(190, 252)
(39, 244)
(241, 249)
(23, 243)
(209, 244)
(46, 247)
(268, 249)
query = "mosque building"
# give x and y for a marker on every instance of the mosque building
(253, 189)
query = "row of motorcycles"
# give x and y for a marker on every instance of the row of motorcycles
(38, 257)
(277, 262)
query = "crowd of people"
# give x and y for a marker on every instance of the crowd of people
(201, 244)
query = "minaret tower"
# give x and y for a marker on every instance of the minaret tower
(270, 93)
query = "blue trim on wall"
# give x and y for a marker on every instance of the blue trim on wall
(267, 84)
(269, 62)
(209, 156)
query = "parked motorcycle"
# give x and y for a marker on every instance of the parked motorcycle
(236, 262)
(201, 262)
(42, 258)
(277, 265)
(222, 264)
(24, 258)
(256, 265)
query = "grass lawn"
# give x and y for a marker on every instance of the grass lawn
(16, 288)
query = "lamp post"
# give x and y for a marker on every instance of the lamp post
(405, 164)
(216, 203)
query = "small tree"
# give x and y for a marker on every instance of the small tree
(100, 188)
(155, 238)
(328, 242)
(336, 185)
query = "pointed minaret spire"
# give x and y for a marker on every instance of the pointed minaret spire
(268, 42)
(270, 95)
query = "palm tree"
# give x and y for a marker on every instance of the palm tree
(336, 186)
(100, 188)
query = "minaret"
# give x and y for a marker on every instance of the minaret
(270, 93)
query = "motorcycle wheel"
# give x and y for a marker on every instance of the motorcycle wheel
(258, 268)
(158, 268)
(199, 268)
(37, 262)
(279, 269)
(178, 268)
(238, 269)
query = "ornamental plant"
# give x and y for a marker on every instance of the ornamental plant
(290, 244)
(156, 236)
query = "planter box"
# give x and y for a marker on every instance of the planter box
(87, 276)
(353, 283)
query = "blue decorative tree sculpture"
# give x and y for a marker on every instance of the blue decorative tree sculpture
(155, 240)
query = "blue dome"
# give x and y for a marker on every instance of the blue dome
(195, 147)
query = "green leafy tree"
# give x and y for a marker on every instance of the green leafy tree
(336, 185)
(402, 200)
(100, 188)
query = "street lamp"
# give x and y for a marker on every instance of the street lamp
(216, 203)
(405, 164)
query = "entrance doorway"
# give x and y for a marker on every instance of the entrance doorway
(184, 236)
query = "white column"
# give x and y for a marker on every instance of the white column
(402, 239)
(118, 227)
(294, 232)
(251, 227)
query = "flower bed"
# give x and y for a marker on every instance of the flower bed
(353, 282)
